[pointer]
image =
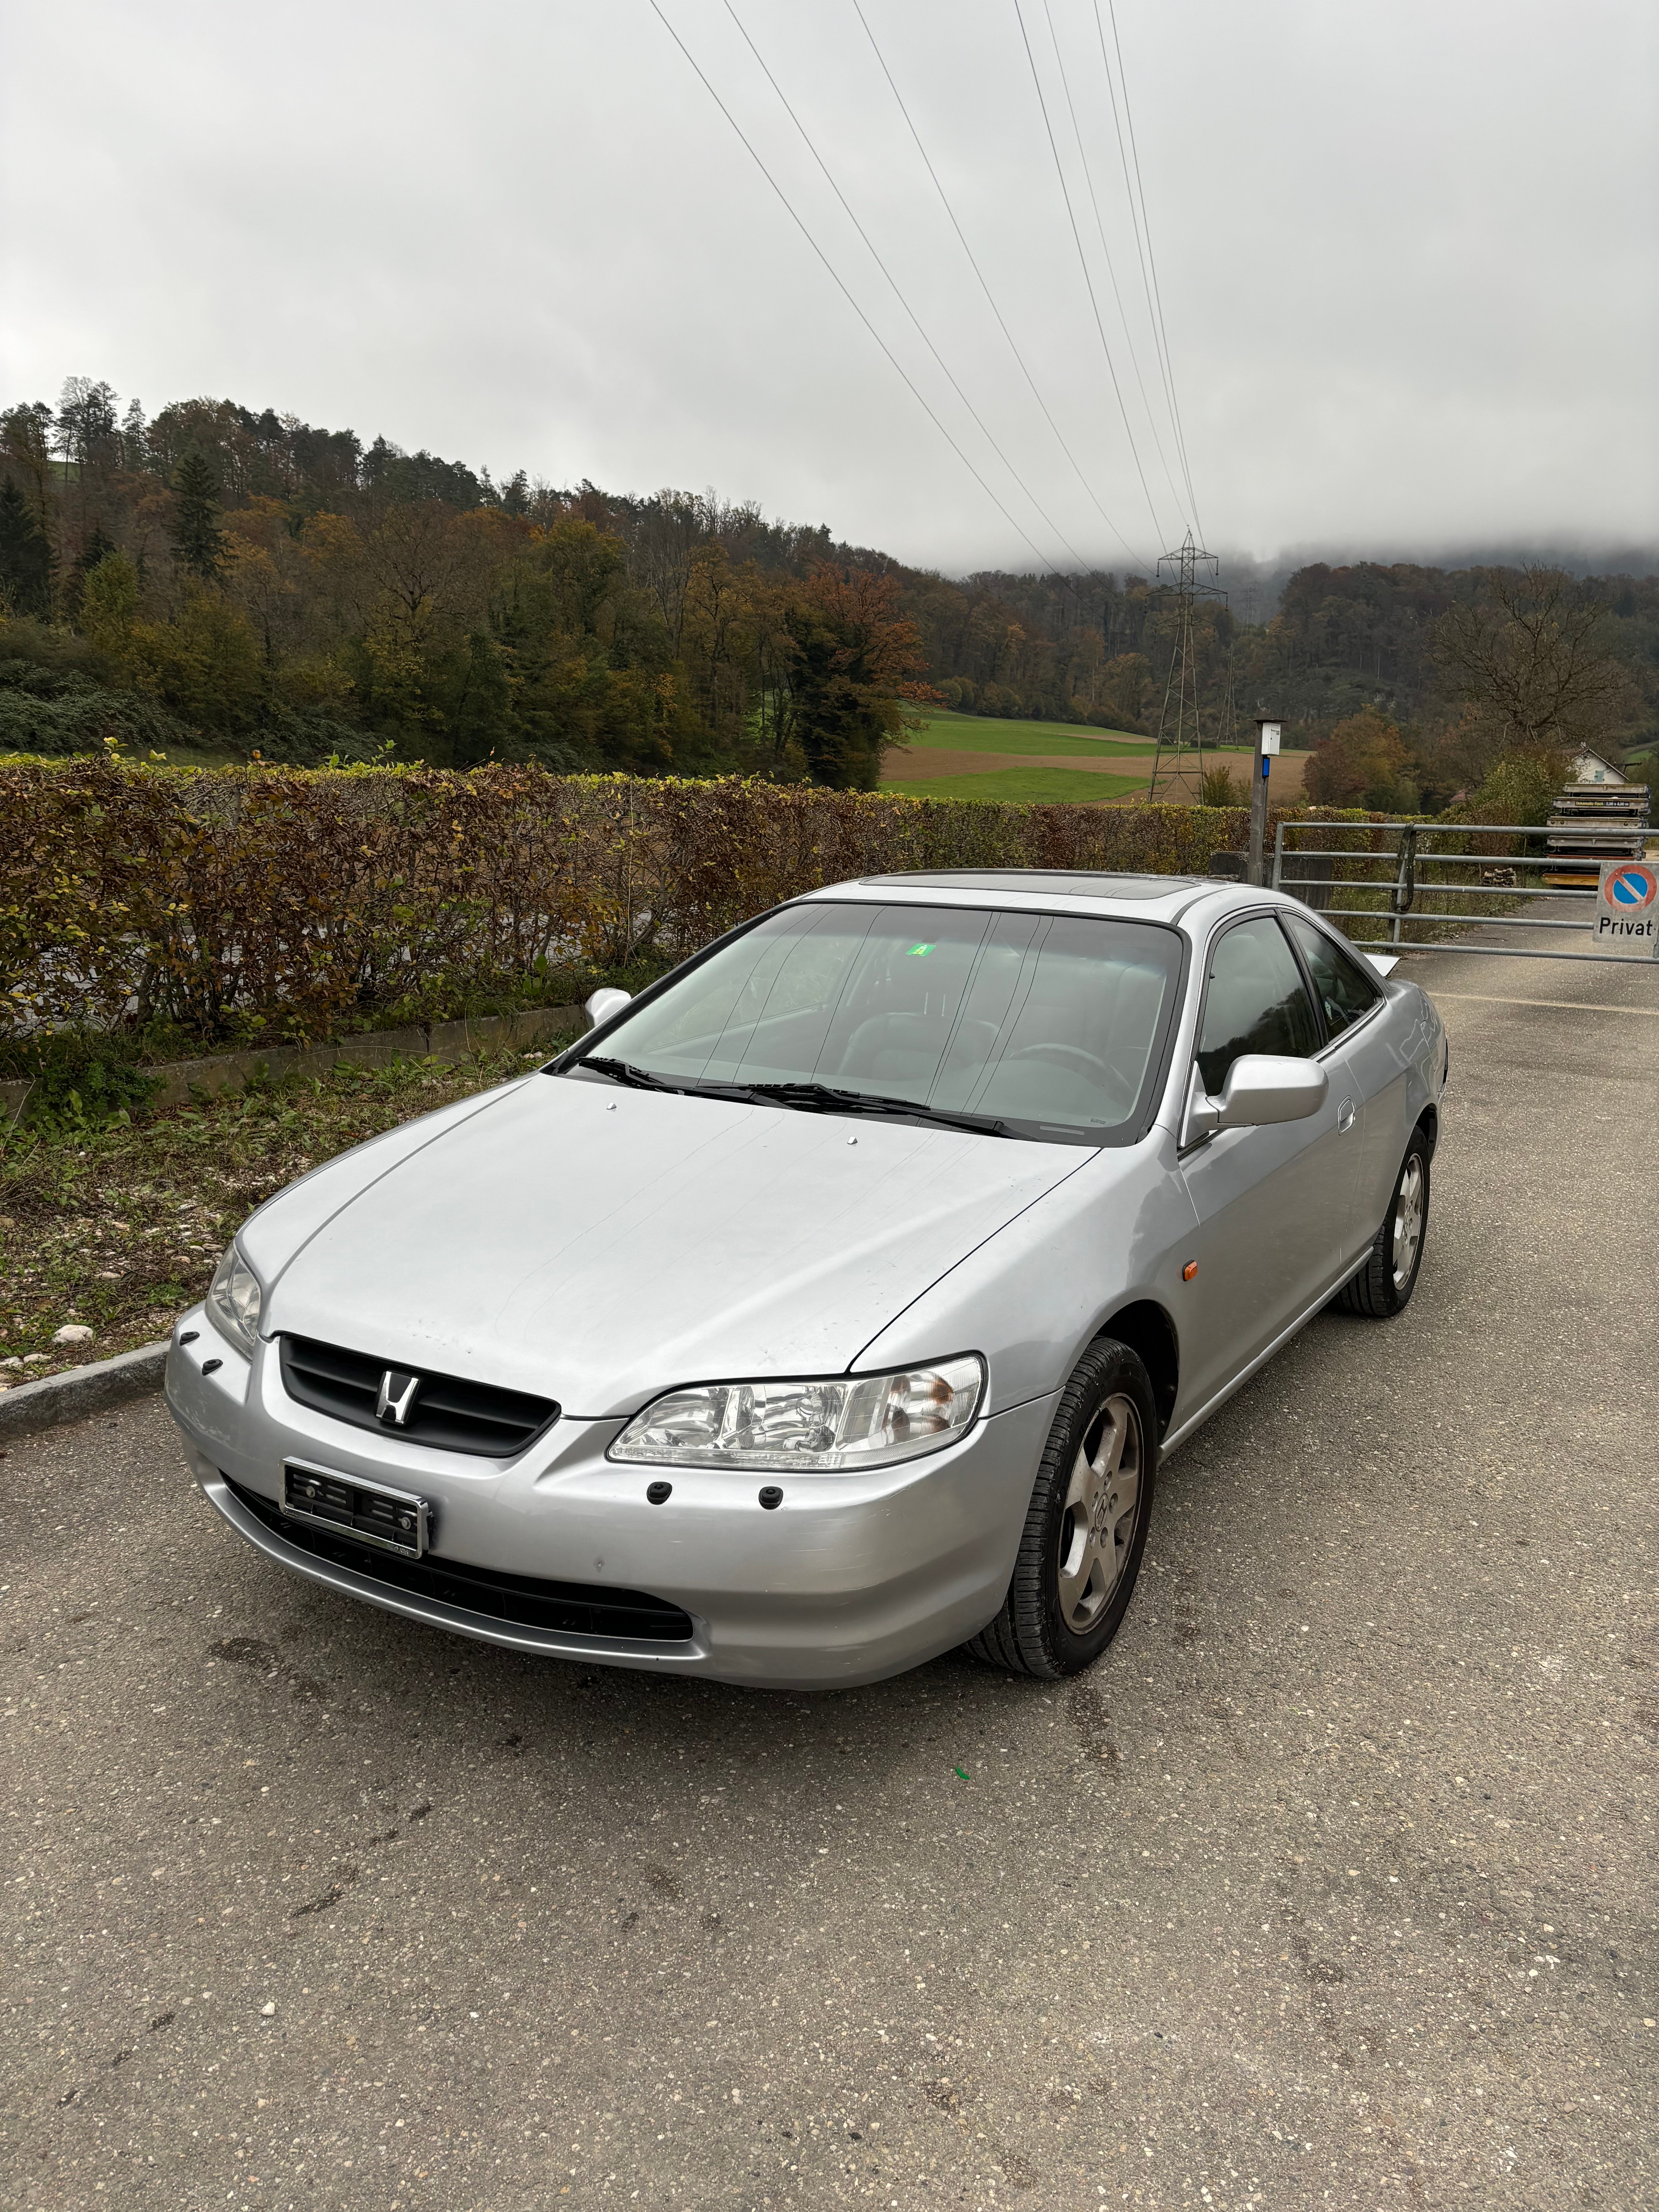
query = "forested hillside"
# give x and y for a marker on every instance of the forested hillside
(246, 582)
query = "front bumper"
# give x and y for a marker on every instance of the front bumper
(852, 1578)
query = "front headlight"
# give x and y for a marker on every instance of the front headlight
(232, 1301)
(828, 1427)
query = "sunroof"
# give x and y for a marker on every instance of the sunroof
(1052, 882)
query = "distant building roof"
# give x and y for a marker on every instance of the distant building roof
(1590, 767)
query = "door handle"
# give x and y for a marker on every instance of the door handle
(1344, 1117)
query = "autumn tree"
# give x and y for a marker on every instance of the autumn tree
(482, 725)
(1125, 684)
(1364, 762)
(1520, 787)
(664, 541)
(109, 614)
(205, 664)
(856, 660)
(729, 637)
(415, 555)
(261, 579)
(329, 589)
(87, 424)
(1530, 654)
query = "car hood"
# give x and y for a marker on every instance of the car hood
(596, 1245)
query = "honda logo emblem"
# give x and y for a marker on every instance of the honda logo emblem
(397, 1399)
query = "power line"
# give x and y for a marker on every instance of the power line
(898, 292)
(1140, 247)
(841, 287)
(1142, 222)
(1077, 235)
(944, 201)
(1106, 252)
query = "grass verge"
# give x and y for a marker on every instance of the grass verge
(119, 1229)
(83, 1077)
(983, 733)
(1028, 787)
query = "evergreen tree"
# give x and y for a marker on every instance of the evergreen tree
(25, 556)
(196, 532)
(94, 550)
(133, 435)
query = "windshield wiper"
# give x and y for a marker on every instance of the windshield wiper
(806, 1097)
(623, 1071)
(820, 1098)
(641, 1078)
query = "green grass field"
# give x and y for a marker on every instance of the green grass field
(983, 733)
(1025, 787)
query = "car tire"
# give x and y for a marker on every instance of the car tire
(1086, 1527)
(1384, 1284)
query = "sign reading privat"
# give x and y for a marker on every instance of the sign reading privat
(1627, 906)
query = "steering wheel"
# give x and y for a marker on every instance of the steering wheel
(1065, 1052)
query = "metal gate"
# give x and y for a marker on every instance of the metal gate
(1418, 882)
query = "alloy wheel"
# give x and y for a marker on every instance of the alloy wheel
(1408, 1222)
(1097, 1521)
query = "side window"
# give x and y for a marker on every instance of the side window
(1256, 1002)
(1343, 988)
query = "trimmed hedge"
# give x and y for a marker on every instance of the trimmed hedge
(295, 902)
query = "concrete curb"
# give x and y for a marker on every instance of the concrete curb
(78, 1391)
(445, 1042)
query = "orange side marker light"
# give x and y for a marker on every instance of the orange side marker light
(1189, 1271)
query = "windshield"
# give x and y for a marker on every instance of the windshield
(1049, 1024)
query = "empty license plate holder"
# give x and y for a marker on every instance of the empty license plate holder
(392, 1520)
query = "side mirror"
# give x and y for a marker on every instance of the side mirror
(603, 1004)
(1261, 1087)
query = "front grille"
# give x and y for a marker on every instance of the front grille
(447, 1413)
(564, 1608)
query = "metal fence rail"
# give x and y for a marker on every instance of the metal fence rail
(1316, 885)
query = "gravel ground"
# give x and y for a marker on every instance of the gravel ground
(1331, 1886)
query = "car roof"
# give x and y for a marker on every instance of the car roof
(1052, 891)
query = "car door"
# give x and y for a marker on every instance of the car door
(1356, 1015)
(1273, 1203)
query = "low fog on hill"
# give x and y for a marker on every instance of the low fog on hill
(348, 439)
(1400, 256)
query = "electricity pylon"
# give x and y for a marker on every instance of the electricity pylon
(1178, 755)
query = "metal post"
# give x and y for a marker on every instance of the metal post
(1278, 856)
(1266, 744)
(1405, 887)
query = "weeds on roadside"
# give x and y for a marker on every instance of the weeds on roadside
(119, 1227)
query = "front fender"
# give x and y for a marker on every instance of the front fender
(1033, 1297)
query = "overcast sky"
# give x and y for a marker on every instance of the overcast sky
(1405, 253)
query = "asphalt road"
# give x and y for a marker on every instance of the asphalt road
(1333, 1885)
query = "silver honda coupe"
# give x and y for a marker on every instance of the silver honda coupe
(830, 1304)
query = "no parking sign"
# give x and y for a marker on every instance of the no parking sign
(1627, 905)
